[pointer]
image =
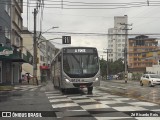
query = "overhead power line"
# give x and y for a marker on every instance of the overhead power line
(100, 34)
(87, 5)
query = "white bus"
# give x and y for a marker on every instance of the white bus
(76, 67)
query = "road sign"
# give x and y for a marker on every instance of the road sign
(66, 39)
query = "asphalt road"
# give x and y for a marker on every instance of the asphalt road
(132, 89)
(112, 97)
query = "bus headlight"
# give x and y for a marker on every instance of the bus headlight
(96, 79)
(67, 80)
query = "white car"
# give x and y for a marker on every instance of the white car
(150, 80)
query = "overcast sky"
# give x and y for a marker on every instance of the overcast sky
(87, 16)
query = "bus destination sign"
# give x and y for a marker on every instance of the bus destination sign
(80, 50)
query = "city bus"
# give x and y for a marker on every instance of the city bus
(76, 67)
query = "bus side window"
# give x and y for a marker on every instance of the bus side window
(59, 57)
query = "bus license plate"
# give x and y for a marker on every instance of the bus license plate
(75, 80)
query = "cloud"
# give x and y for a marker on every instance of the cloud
(143, 19)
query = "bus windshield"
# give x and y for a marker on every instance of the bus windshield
(80, 65)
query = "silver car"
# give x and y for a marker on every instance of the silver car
(150, 80)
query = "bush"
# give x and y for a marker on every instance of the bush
(136, 76)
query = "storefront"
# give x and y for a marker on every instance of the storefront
(10, 65)
(44, 72)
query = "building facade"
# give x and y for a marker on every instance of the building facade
(11, 57)
(154, 69)
(139, 50)
(48, 52)
(45, 53)
(116, 38)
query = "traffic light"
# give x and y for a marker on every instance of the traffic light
(66, 39)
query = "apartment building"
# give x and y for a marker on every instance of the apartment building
(116, 38)
(139, 49)
(11, 42)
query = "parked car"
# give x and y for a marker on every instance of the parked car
(150, 80)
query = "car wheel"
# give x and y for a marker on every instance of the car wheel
(141, 84)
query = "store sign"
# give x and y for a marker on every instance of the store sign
(44, 67)
(6, 52)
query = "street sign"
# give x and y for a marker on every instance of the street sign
(66, 39)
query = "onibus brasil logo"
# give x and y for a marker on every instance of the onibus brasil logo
(6, 52)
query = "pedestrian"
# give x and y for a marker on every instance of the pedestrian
(28, 78)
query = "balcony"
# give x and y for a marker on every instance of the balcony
(8, 54)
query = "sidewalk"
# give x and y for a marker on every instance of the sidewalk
(9, 88)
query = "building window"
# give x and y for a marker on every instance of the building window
(123, 45)
(7, 8)
(119, 45)
(7, 33)
(119, 50)
(17, 41)
(119, 40)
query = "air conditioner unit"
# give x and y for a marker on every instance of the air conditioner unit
(1, 44)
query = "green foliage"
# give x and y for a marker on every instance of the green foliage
(114, 67)
(103, 67)
(136, 76)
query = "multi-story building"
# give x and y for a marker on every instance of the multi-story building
(11, 42)
(116, 38)
(28, 49)
(45, 53)
(139, 49)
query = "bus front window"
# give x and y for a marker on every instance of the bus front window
(80, 65)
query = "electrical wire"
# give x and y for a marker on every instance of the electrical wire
(86, 5)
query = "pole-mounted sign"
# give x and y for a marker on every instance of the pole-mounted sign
(66, 39)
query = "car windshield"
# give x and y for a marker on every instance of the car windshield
(155, 76)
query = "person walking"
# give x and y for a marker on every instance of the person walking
(28, 77)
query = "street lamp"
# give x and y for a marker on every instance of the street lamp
(46, 31)
(43, 40)
(49, 29)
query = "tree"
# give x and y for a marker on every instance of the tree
(114, 67)
(103, 67)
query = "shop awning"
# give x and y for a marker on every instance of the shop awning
(8, 54)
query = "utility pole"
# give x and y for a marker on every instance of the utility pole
(125, 49)
(107, 61)
(35, 49)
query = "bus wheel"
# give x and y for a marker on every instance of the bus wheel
(90, 90)
(63, 90)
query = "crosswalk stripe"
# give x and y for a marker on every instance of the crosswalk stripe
(98, 104)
